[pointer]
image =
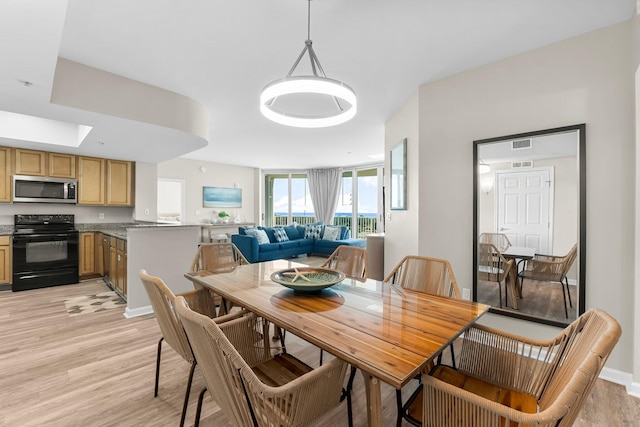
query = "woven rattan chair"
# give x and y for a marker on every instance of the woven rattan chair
(162, 301)
(549, 268)
(499, 240)
(423, 274)
(215, 258)
(508, 380)
(493, 267)
(350, 260)
(251, 386)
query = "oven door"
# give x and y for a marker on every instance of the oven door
(41, 260)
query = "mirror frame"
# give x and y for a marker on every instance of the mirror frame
(398, 152)
(582, 218)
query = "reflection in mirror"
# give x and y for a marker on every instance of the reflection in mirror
(398, 188)
(529, 224)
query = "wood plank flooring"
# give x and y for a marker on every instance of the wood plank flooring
(97, 369)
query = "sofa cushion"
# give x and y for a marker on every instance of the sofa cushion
(270, 247)
(289, 244)
(331, 232)
(270, 234)
(280, 234)
(313, 231)
(259, 234)
(344, 233)
(292, 232)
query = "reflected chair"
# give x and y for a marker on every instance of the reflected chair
(350, 260)
(499, 240)
(494, 267)
(163, 303)
(215, 258)
(508, 380)
(549, 268)
(429, 275)
(251, 386)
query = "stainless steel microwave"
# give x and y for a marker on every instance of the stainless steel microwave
(41, 189)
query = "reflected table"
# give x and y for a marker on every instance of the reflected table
(518, 254)
(390, 334)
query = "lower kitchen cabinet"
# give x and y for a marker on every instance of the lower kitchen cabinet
(87, 252)
(5, 259)
(117, 269)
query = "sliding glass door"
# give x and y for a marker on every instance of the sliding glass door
(287, 199)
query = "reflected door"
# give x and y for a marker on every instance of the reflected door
(524, 203)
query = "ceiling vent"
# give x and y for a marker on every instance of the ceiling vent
(522, 164)
(521, 144)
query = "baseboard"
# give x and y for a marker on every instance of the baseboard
(622, 378)
(141, 311)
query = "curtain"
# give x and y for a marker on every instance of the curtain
(324, 186)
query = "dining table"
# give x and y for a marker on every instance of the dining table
(389, 333)
(518, 254)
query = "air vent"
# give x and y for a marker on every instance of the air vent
(522, 164)
(521, 144)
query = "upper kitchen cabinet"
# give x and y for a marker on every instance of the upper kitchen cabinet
(5, 174)
(119, 183)
(29, 162)
(62, 165)
(91, 174)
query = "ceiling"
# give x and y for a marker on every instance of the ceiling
(222, 53)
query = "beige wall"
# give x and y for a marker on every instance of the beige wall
(636, 331)
(214, 175)
(586, 79)
(403, 225)
(146, 192)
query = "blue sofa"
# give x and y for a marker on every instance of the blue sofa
(294, 245)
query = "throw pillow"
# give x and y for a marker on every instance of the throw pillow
(261, 235)
(331, 233)
(281, 234)
(313, 231)
(292, 232)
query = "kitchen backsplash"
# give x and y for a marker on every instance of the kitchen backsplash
(83, 214)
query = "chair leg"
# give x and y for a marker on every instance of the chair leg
(186, 394)
(500, 293)
(321, 354)
(352, 375)
(199, 409)
(155, 393)
(564, 298)
(568, 293)
(399, 407)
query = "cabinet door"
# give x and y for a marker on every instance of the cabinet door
(99, 254)
(113, 266)
(5, 174)
(5, 259)
(87, 254)
(30, 162)
(90, 181)
(121, 281)
(119, 183)
(62, 165)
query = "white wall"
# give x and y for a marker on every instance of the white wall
(586, 79)
(146, 192)
(214, 175)
(402, 226)
(636, 331)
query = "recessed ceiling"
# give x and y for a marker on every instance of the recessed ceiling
(221, 54)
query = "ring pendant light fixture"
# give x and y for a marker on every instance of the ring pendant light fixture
(316, 84)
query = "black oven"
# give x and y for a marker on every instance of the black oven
(45, 251)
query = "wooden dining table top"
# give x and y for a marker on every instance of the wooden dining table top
(389, 332)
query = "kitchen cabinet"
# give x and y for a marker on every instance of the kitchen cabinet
(117, 275)
(5, 259)
(62, 165)
(87, 264)
(30, 162)
(119, 183)
(91, 174)
(5, 174)
(100, 240)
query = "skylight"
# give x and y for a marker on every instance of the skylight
(45, 131)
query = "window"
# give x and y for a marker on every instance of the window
(287, 199)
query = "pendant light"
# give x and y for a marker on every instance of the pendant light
(317, 84)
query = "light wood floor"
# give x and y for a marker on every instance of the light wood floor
(97, 369)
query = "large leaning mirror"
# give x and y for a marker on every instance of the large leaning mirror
(529, 224)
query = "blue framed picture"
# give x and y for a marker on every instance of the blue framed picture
(219, 197)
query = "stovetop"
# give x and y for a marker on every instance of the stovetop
(33, 223)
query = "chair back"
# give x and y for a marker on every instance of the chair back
(213, 258)
(219, 362)
(569, 259)
(163, 303)
(350, 260)
(551, 267)
(588, 343)
(492, 265)
(425, 274)
(499, 240)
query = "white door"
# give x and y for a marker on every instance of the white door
(525, 203)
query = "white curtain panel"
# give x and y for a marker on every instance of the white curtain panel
(324, 186)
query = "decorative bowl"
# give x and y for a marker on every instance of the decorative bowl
(307, 279)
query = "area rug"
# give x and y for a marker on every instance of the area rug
(93, 303)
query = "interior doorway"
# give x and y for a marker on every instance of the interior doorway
(171, 200)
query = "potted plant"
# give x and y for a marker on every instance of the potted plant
(224, 216)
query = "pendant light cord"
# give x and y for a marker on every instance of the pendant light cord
(308, 19)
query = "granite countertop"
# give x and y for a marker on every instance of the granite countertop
(116, 229)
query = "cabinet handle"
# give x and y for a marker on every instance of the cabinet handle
(118, 257)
